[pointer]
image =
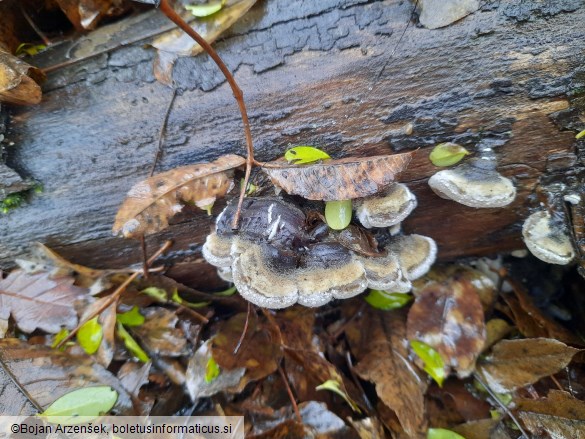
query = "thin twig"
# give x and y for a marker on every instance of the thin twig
(193, 313)
(144, 257)
(245, 330)
(552, 377)
(290, 394)
(32, 24)
(114, 296)
(161, 134)
(502, 405)
(166, 9)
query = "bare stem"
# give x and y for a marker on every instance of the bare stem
(238, 95)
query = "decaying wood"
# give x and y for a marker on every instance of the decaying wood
(509, 76)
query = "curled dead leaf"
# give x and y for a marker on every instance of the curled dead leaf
(343, 179)
(447, 315)
(19, 81)
(513, 364)
(86, 14)
(152, 202)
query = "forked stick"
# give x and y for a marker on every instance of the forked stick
(238, 95)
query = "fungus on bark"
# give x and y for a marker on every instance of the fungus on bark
(475, 183)
(416, 254)
(549, 244)
(388, 209)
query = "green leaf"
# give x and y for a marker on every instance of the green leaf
(300, 155)
(504, 398)
(79, 405)
(447, 154)
(64, 332)
(29, 49)
(580, 135)
(156, 293)
(211, 370)
(433, 363)
(387, 301)
(178, 299)
(90, 336)
(131, 318)
(205, 10)
(335, 387)
(338, 214)
(441, 433)
(208, 208)
(251, 187)
(131, 344)
(229, 292)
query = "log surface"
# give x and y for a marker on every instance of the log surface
(510, 76)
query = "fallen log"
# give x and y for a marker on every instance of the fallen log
(337, 74)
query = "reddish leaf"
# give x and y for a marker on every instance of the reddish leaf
(152, 202)
(37, 301)
(516, 363)
(343, 179)
(379, 341)
(448, 316)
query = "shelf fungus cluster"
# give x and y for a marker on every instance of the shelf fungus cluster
(280, 255)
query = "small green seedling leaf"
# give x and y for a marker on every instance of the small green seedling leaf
(156, 293)
(504, 398)
(131, 318)
(211, 370)
(301, 155)
(335, 387)
(580, 135)
(208, 208)
(205, 10)
(29, 49)
(338, 214)
(90, 336)
(387, 301)
(441, 433)
(447, 154)
(82, 405)
(251, 187)
(178, 299)
(64, 332)
(226, 293)
(131, 344)
(433, 363)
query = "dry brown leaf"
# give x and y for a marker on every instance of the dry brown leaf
(158, 334)
(513, 364)
(399, 384)
(259, 353)
(152, 202)
(86, 14)
(482, 429)
(13, 401)
(47, 374)
(37, 301)
(448, 316)
(176, 43)
(18, 81)
(343, 179)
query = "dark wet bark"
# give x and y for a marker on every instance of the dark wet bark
(510, 76)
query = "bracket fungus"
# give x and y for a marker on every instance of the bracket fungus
(388, 209)
(546, 242)
(275, 261)
(475, 183)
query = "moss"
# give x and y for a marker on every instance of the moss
(16, 199)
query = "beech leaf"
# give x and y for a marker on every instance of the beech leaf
(447, 315)
(37, 301)
(18, 81)
(338, 214)
(131, 344)
(152, 202)
(90, 336)
(513, 364)
(131, 318)
(433, 363)
(84, 404)
(343, 179)
(447, 154)
(387, 301)
(300, 155)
